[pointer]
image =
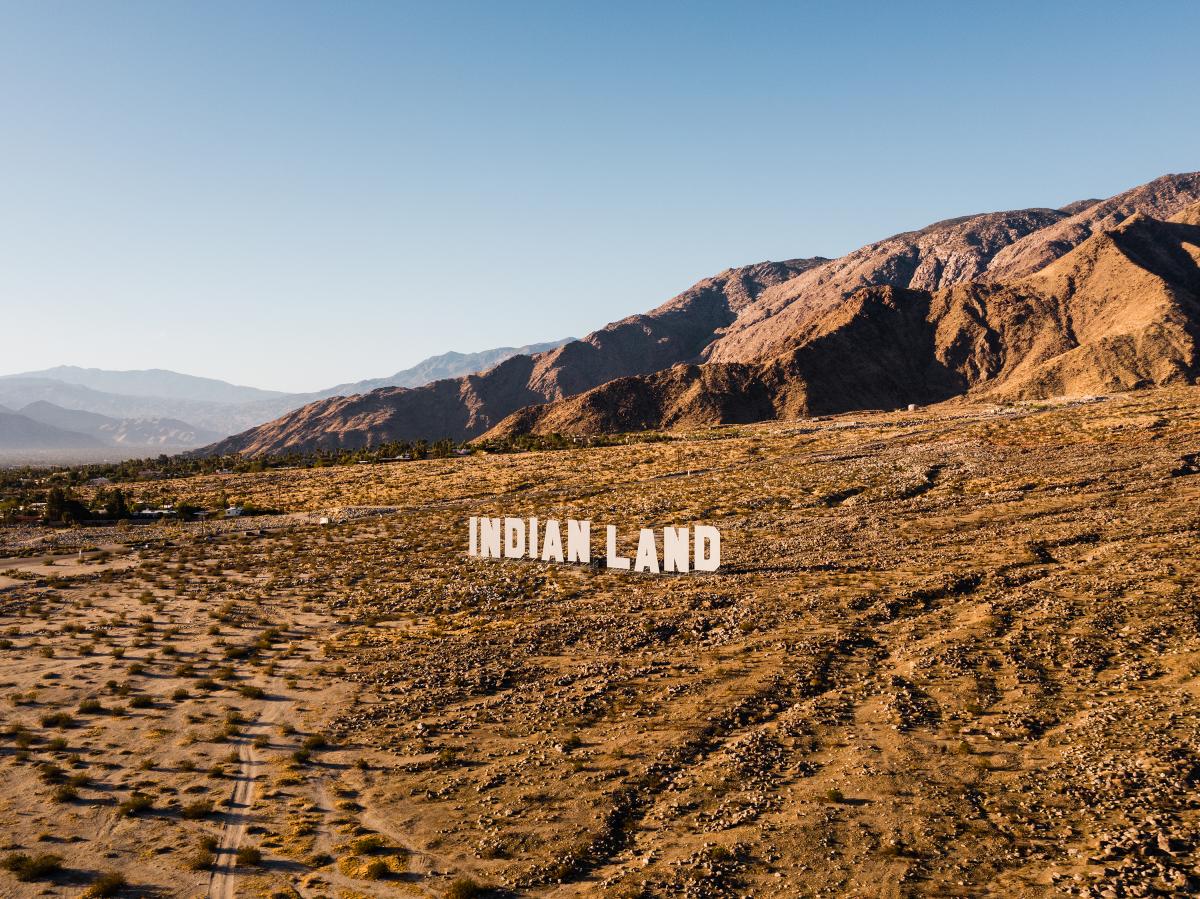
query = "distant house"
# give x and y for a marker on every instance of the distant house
(98, 482)
(234, 512)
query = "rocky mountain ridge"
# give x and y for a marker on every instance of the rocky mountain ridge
(974, 306)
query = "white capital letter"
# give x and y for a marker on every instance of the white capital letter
(489, 537)
(613, 560)
(552, 545)
(675, 549)
(514, 538)
(707, 548)
(579, 541)
(647, 552)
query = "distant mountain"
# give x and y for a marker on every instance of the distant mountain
(220, 418)
(66, 419)
(1098, 295)
(675, 332)
(159, 408)
(436, 368)
(19, 433)
(153, 382)
(150, 434)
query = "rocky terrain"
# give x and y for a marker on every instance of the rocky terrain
(1120, 311)
(950, 652)
(675, 332)
(919, 317)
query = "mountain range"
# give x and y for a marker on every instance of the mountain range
(1096, 296)
(77, 413)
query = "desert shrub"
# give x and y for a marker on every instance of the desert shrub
(140, 701)
(251, 692)
(135, 805)
(202, 808)
(58, 719)
(465, 888)
(32, 867)
(91, 707)
(64, 793)
(201, 860)
(108, 883)
(249, 856)
(377, 870)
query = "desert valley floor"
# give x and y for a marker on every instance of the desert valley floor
(950, 652)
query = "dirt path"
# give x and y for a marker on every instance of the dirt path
(223, 881)
(222, 884)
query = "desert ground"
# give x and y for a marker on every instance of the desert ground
(949, 652)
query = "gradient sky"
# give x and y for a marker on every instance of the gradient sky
(297, 194)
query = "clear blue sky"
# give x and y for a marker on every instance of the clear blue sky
(296, 194)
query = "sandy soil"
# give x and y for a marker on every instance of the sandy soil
(953, 652)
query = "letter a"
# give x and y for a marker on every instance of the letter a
(647, 552)
(552, 543)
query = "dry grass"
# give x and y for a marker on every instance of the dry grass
(953, 651)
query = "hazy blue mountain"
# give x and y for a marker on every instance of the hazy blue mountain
(222, 418)
(19, 433)
(153, 382)
(66, 419)
(157, 408)
(155, 434)
(436, 368)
